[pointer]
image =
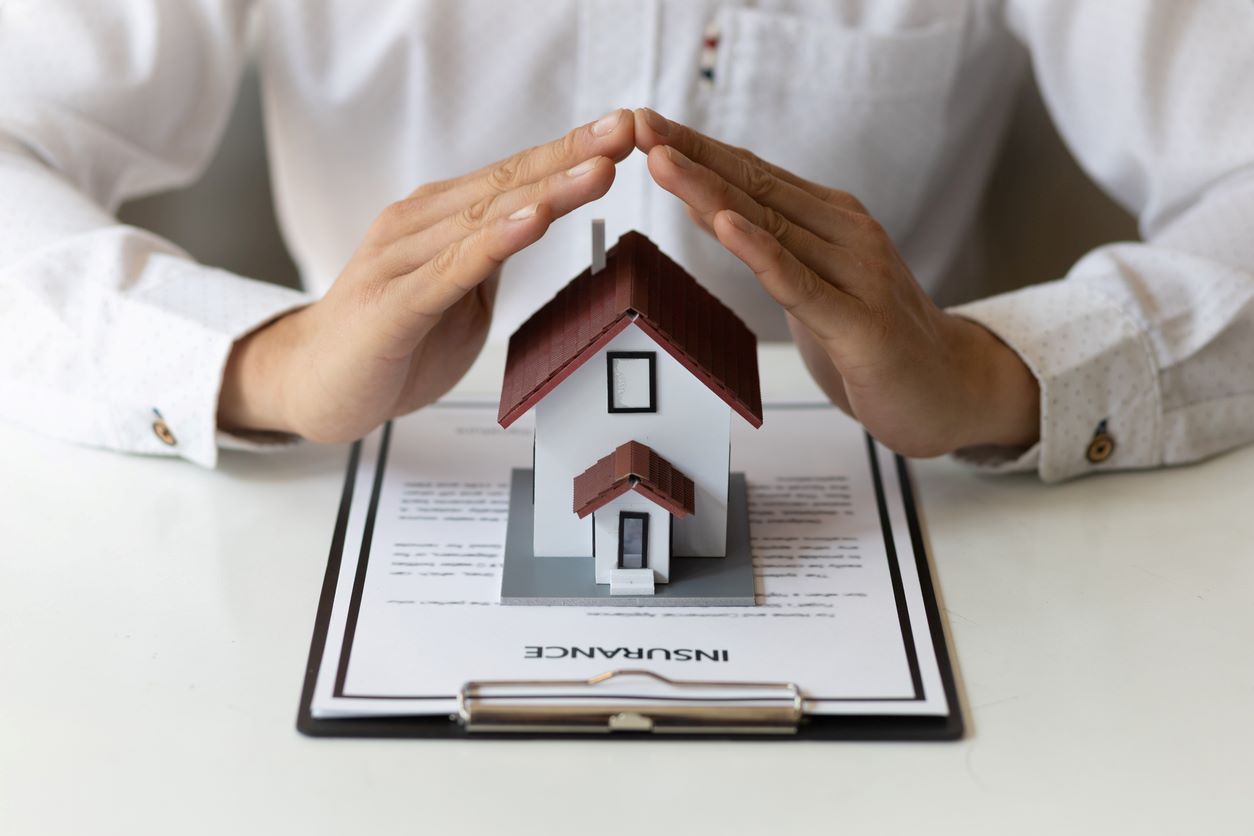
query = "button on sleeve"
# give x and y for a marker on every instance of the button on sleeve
(1095, 367)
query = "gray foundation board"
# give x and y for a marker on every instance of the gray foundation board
(571, 581)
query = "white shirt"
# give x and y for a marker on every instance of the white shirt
(900, 102)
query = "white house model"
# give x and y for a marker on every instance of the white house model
(634, 371)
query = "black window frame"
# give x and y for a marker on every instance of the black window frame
(623, 516)
(610, 357)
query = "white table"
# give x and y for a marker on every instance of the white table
(155, 620)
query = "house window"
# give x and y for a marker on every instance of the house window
(633, 540)
(632, 381)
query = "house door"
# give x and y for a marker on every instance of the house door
(633, 540)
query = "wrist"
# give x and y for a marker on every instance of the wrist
(1001, 394)
(252, 398)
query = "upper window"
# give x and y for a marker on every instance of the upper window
(632, 381)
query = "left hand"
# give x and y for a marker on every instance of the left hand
(922, 381)
(411, 308)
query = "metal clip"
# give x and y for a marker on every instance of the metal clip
(779, 711)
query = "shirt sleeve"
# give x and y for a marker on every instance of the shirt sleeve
(109, 335)
(1145, 351)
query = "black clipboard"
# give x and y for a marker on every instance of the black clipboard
(809, 727)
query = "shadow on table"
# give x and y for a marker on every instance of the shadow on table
(300, 461)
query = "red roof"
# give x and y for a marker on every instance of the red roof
(634, 466)
(639, 284)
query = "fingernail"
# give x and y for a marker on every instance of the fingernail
(739, 221)
(678, 158)
(659, 124)
(525, 212)
(606, 123)
(583, 168)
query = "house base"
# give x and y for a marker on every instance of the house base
(571, 581)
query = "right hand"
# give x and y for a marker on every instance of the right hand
(410, 311)
(921, 380)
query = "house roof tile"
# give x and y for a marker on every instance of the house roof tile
(634, 466)
(639, 283)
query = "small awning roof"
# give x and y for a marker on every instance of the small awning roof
(634, 466)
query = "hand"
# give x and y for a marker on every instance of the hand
(410, 311)
(920, 380)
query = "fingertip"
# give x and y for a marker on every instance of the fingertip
(515, 234)
(527, 224)
(656, 159)
(524, 214)
(652, 128)
(594, 165)
(589, 180)
(544, 215)
(683, 178)
(608, 124)
(664, 163)
(731, 224)
(605, 173)
(615, 133)
(605, 166)
(645, 140)
(739, 237)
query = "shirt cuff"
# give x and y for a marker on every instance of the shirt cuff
(1101, 407)
(169, 345)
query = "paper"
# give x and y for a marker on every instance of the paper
(416, 612)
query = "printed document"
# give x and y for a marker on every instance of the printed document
(416, 610)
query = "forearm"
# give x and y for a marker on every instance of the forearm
(1142, 352)
(105, 325)
(996, 398)
(252, 398)
(1002, 398)
(1145, 345)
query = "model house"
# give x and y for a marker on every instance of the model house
(635, 373)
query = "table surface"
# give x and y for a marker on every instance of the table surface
(155, 619)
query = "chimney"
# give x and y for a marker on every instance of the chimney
(598, 245)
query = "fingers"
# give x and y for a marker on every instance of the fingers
(562, 193)
(738, 165)
(833, 215)
(708, 194)
(612, 136)
(417, 299)
(822, 308)
(794, 204)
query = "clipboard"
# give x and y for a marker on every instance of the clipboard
(775, 715)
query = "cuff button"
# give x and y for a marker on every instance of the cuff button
(162, 431)
(1102, 447)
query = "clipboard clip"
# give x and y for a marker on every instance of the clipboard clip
(586, 708)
